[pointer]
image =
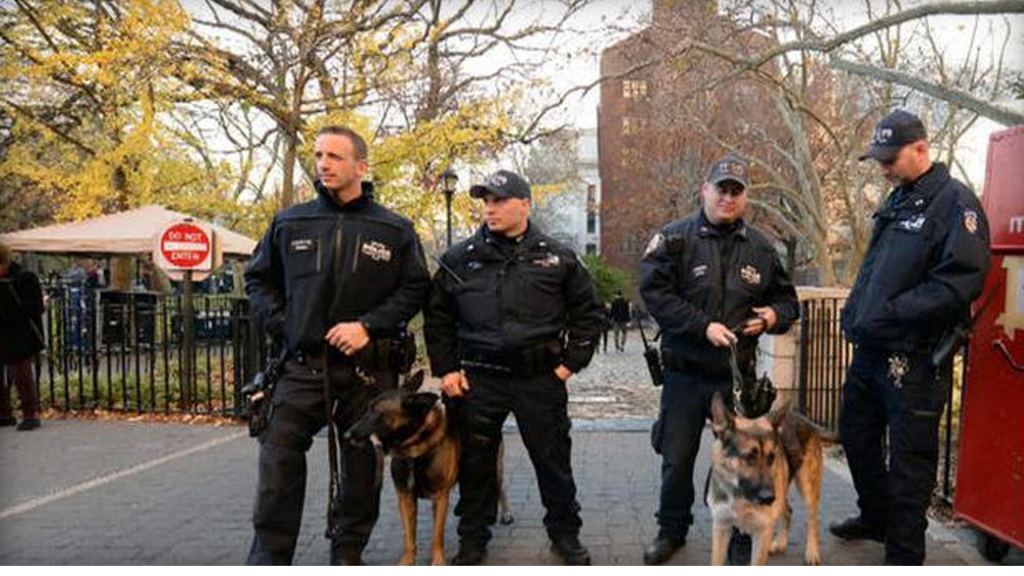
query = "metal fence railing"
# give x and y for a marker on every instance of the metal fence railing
(824, 358)
(123, 351)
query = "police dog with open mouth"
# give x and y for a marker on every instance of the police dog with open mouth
(415, 429)
(752, 465)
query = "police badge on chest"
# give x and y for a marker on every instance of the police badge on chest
(376, 251)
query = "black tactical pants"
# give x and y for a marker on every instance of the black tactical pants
(299, 413)
(893, 497)
(540, 405)
(685, 407)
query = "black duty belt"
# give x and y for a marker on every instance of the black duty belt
(528, 361)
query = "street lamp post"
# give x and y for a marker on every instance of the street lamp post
(448, 181)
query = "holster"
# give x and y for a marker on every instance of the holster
(258, 395)
(396, 354)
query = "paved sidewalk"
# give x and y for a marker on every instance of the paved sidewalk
(103, 492)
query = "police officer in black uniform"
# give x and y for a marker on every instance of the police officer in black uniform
(335, 279)
(512, 315)
(927, 261)
(710, 281)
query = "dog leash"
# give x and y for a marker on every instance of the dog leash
(332, 446)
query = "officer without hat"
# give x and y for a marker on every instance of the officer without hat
(334, 281)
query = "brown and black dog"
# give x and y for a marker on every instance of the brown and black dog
(415, 429)
(753, 463)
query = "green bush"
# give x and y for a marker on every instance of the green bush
(607, 279)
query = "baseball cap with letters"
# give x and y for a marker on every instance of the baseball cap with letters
(729, 167)
(893, 132)
(503, 184)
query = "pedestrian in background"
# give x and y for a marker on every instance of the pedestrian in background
(21, 338)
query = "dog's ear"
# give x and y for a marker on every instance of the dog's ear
(420, 403)
(721, 416)
(413, 382)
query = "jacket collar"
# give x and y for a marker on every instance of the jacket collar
(921, 191)
(497, 245)
(705, 228)
(328, 201)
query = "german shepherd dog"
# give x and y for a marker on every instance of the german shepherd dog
(415, 429)
(753, 463)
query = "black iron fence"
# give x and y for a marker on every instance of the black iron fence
(124, 351)
(824, 357)
(823, 360)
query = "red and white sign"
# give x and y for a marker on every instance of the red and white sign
(185, 246)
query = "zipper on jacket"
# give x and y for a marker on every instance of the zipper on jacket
(355, 255)
(338, 259)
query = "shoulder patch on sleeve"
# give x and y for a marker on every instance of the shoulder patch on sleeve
(656, 242)
(971, 221)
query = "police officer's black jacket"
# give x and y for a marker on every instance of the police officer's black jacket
(510, 298)
(686, 285)
(926, 262)
(321, 263)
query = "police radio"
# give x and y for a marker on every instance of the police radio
(651, 356)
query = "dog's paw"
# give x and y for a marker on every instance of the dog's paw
(506, 518)
(812, 558)
(778, 547)
(408, 559)
(437, 559)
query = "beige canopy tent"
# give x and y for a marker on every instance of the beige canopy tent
(130, 232)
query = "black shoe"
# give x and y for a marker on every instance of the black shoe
(29, 424)
(663, 547)
(572, 552)
(739, 551)
(854, 528)
(469, 555)
(346, 557)
(8, 421)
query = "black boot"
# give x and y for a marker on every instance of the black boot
(739, 551)
(569, 548)
(663, 547)
(855, 528)
(29, 424)
(341, 556)
(9, 421)
(469, 554)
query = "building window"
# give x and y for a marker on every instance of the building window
(632, 125)
(631, 158)
(591, 196)
(591, 248)
(634, 89)
(591, 222)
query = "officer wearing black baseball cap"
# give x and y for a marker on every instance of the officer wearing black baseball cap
(926, 263)
(711, 282)
(502, 184)
(894, 131)
(729, 168)
(511, 317)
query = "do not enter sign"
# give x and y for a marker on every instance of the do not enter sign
(185, 246)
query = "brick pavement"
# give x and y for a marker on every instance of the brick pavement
(177, 494)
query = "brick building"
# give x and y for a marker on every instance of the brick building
(659, 126)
